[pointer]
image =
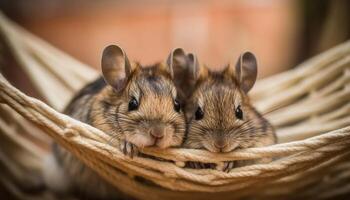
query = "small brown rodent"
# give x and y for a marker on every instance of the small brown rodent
(137, 106)
(220, 115)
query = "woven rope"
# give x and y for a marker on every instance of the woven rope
(313, 127)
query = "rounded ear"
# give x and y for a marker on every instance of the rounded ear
(176, 62)
(246, 71)
(186, 71)
(193, 66)
(195, 70)
(115, 67)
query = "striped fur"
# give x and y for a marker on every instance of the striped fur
(99, 105)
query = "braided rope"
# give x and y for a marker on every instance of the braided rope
(315, 136)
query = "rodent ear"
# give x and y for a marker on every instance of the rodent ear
(193, 66)
(115, 67)
(246, 71)
(185, 68)
(191, 75)
(176, 62)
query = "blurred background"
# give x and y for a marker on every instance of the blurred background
(282, 33)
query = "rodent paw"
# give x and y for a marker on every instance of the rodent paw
(199, 165)
(228, 166)
(128, 149)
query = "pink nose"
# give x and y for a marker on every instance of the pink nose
(220, 145)
(157, 132)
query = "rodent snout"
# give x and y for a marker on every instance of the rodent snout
(220, 145)
(157, 131)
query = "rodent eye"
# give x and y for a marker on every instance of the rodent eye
(177, 105)
(199, 113)
(239, 112)
(133, 104)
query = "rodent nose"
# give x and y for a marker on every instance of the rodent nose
(157, 132)
(220, 144)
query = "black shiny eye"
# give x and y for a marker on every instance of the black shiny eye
(199, 114)
(239, 112)
(133, 104)
(177, 105)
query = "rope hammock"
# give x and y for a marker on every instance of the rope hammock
(312, 158)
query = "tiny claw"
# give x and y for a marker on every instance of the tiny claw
(228, 166)
(128, 149)
(211, 166)
(199, 165)
(195, 165)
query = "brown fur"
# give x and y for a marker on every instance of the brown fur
(218, 94)
(155, 92)
(102, 107)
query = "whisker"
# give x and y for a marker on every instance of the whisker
(270, 111)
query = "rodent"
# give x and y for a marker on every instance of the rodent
(137, 106)
(220, 115)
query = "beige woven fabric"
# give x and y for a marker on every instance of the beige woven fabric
(312, 122)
